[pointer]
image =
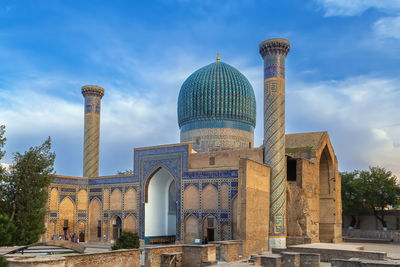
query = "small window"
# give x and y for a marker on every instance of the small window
(212, 160)
(249, 144)
(197, 140)
(291, 169)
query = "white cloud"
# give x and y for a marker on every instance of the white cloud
(355, 7)
(388, 27)
(360, 114)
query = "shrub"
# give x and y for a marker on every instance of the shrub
(127, 240)
(3, 262)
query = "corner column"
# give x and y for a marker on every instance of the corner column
(274, 52)
(92, 95)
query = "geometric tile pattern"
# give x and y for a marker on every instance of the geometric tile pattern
(217, 91)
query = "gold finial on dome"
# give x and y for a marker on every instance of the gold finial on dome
(218, 58)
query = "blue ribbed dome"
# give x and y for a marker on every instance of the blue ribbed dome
(217, 91)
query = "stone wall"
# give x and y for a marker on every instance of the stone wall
(199, 255)
(253, 206)
(120, 258)
(152, 255)
(193, 255)
(228, 250)
(375, 234)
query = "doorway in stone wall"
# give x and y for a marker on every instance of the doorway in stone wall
(116, 227)
(209, 229)
(160, 208)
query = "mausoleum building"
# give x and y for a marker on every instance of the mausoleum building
(214, 185)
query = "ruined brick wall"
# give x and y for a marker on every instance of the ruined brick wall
(152, 256)
(122, 258)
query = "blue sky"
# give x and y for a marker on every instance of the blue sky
(342, 71)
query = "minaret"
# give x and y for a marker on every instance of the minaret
(92, 95)
(274, 52)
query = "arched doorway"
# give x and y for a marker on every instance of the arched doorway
(160, 208)
(66, 218)
(326, 197)
(209, 229)
(116, 227)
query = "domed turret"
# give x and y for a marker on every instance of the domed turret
(217, 109)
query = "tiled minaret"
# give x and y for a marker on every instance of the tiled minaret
(274, 52)
(92, 95)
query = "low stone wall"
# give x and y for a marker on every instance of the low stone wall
(193, 255)
(228, 250)
(364, 263)
(330, 254)
(120, 258)
(199, 255)
(378, 234)
(152, 255)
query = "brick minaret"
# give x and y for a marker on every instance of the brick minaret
(274, 52)
(92, 95)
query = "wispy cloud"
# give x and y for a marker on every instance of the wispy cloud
(359, 114)
(388, 27)
(355, 7)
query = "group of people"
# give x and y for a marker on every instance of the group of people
(73, 238)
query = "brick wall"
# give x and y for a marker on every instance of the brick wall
(120, 258)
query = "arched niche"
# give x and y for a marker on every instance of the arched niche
(130, 202)
(192, 229)
(116, 200)
(209, 198)
(66, 217)
(191, 199)
(95, 220)
(326, 197)
(130, 224)
(209, 228)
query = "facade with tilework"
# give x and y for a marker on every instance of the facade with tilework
(214, 185)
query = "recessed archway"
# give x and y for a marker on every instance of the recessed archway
(116, 227)
(160, 207)
(326, 197)
(95, 220)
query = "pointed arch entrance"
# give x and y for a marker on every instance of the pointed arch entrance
(116, 227)
(326, 197)
(160, 208)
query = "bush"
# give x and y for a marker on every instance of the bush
(3, 262)
(127, 240)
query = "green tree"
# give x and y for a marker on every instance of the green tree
(7, 230)
(24, 192)
(127, 240)
(379, 190)
(3, 262)
(352, 196)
